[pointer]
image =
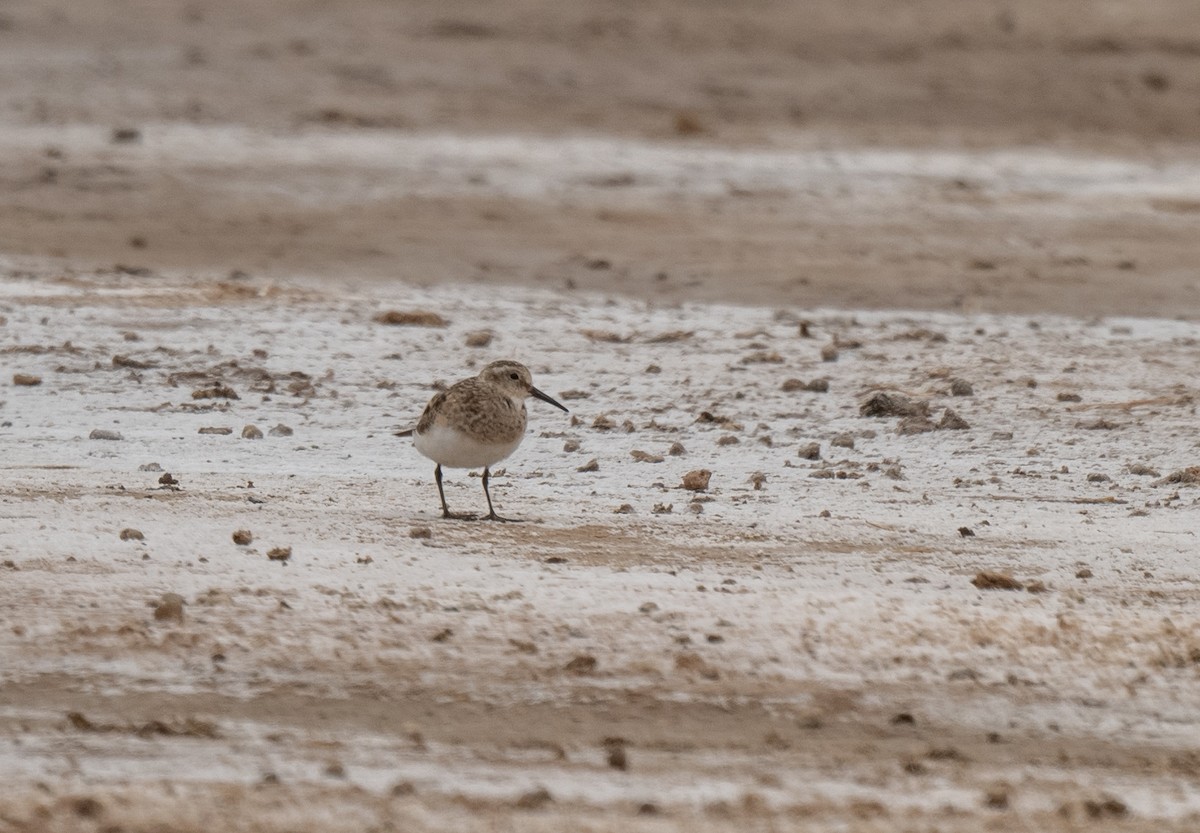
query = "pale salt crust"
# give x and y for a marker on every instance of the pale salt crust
(350, 168)
(878, 593)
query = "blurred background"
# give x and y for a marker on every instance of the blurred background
(1014, 155)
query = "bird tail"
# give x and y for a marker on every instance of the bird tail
(404, 432)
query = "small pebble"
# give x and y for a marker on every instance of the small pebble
(251, 432)
(170, 608)
(131, 534)
(242, 537)
(811, 451)
(281, 430)
(534, 799)
(952, 421)
(279, 553)
(104, 434)
(582, 664)
(26, 380)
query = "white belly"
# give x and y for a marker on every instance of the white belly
(454, 449)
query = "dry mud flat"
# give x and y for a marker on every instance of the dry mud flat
(981, 621)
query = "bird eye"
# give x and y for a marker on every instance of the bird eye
(514, 376)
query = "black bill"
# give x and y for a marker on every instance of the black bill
(547, 398)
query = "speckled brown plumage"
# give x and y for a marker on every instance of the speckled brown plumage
(477, 422)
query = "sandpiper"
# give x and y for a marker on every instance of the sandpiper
(476, 422)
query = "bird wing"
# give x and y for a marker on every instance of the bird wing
(430, 413)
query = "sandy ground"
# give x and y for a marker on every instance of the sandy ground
(801, 643)
(715, 233)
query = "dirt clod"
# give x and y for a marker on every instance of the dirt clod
(915, 425)
(131, 534)
(987, 580)
(696, 664)
(581, 664)
(479, 338)
(697, 480)
(87, 807)
(243, 537)
(215, 392)
(615, 754)
(891, 404)
(281, 430)
(169, 608)
(105, 434)
(218, 430)
(590, 465)
(1187, 477)
(1105, 807)
(252, 432)
(119, 360)
(534, 799)
(996, 798)
(809, 451)
(411, 318)
(279, 553)
(26, 380)
(952, 421)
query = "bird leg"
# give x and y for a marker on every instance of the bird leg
(446, 513)
(491, 515)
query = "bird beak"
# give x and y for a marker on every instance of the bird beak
(545, 398)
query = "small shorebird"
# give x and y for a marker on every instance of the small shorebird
(476, 422)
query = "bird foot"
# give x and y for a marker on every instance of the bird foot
(459, 516)
(494, 517)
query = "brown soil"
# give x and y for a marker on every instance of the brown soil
(1076, 76)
